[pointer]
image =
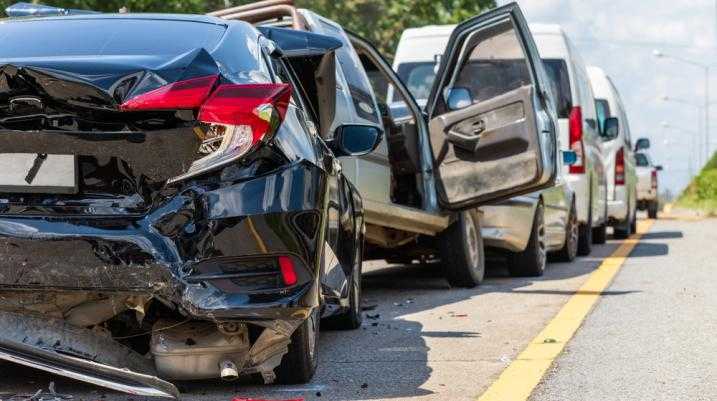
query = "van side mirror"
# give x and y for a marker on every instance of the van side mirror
(569, 157)
(459, 98)
(355, 139)
(611, 128)
(642, 143)
(658, 167)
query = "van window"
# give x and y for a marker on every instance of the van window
(558, 72)
(642, 160)
(602, 108)
(418, 77)
(359, 86)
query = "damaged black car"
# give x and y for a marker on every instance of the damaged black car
(171, 204)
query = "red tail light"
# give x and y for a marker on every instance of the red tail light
(288, 273)
(575, 123)
(653, 179)
(620, 167)
(235, 116)
(188, 94)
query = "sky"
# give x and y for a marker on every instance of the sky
(621, 36)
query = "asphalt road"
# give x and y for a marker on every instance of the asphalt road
(651, 336)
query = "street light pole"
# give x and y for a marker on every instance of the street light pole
(706, 68)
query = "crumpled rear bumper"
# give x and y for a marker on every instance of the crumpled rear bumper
(197, 250)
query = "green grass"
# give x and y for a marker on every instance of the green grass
(701, 194)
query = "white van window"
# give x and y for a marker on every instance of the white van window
(642, 160)
(418, 77)
(557, 70)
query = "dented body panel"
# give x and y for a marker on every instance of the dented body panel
(131, 246)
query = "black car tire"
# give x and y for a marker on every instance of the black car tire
(461, 251)
(585, 234)
(570, 247)
(352, 317)
(299, 364)
(531, 261)
(652, 209)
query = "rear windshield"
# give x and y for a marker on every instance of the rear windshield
(118, 36)
(642, 160)
(558, 72)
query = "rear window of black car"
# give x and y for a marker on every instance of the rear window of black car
(105, 36)
(558, 72)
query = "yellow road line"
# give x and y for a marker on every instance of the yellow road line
(520, 378)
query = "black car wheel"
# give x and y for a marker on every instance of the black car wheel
(351, 318)
(461, 251)
(299, 364)
(531, 262)
(625, 228)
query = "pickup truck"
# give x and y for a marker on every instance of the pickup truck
(646, 184)
(469, 146)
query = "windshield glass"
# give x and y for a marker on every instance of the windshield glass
(418, 77)
(558, 72)
(642, 160)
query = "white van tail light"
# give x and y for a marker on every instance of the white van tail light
(620, 167)
(653, 179)
(234, 117)
(575, 123)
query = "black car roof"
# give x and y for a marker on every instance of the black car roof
(206, 19)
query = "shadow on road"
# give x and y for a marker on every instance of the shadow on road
(662, 235)
(389, 356)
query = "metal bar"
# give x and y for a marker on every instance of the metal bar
(87, 371)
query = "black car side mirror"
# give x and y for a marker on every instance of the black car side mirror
(459, 98)
(658, 168)
(355, 139)
(642, 143)
(611, 128)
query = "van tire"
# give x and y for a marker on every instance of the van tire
(585, 234)
(570, 247)
(461, 250)
(531, 261)
(600, 234)
(299, 364)
(652, 209)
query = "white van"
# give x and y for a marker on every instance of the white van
(618, 156)
(525, 228)
(578, 130)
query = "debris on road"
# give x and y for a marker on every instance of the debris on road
(40, 395)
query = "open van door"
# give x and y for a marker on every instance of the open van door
(492, 127)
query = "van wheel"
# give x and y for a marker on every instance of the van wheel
(625, 229)
(585, 235)
(461, 251)
(570, 248)
(633, 223)
(652, 210)
(299, 364)
(531, 262)
(600, 234)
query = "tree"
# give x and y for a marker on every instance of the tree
(379, 21)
